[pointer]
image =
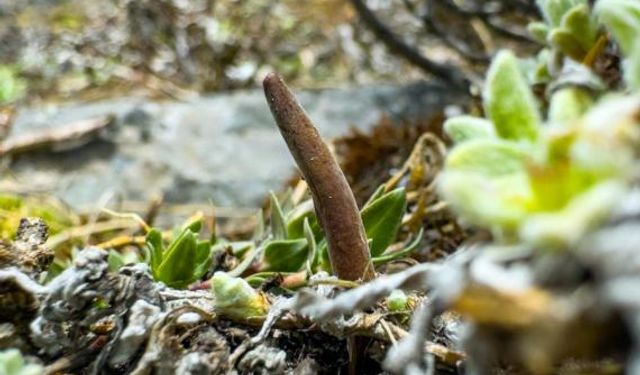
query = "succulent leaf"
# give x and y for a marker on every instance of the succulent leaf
(508, 100)
(463, 128)
(235, 298)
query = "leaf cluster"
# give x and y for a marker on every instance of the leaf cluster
(546, 181)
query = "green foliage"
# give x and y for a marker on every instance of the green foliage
(14, 207)
(566, 177)
(304, 244)
(463, 128)
(235, 298)
(285, 255)
(185, 259)
(382, 218)
(508, 101)
(12, 87)
(12, 363)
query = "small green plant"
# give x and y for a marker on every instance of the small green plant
(235, 298)
(297, 239)
(12, 363)
(548, 182)
(184, 260)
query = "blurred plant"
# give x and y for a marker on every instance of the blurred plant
(12, 87)
(184, 260)
(547, 184)
(12, 363)
(15, 207)
(235, 298)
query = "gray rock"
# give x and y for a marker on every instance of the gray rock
(224, 148)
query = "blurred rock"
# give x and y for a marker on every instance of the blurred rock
(223, 148)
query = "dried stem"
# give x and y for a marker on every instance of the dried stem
(334, 202)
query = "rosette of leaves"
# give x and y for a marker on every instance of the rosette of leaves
(12, 363)
(297, 240)
(182, 261)
(544, 184)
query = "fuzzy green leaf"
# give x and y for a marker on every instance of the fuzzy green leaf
(508, 100)
(382, 219)
(579, 23)
(463, 128)
(285, 255)
(567, 43)
(569, 104)
(538, 31)
(554, 10)
(488, 157)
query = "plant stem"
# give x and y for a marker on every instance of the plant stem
(333, 199)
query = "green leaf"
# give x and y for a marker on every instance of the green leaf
(578, 22)
(508, 100)
(382, 219)
(297, 216)
(285, 255)
(559, 229)
(622, 18)
(538, 31)
(386, 258)
(569, 104)
(376, 194)
(115, 260)
(278, 226)
(178, 265)
(498, 203)
(463, 128)
(155, 247)
(312, 251)
(567, 43)
(488, 157)
(554, 10)
(203, 259)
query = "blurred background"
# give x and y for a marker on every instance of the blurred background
(127, 101)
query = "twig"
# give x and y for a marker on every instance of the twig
(333, 199)
(399, 46)
(63, 137)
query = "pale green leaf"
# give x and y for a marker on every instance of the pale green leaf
(508, 101)
(488, 157)
(463, 128)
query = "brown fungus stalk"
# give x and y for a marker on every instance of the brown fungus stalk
(334, 202)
